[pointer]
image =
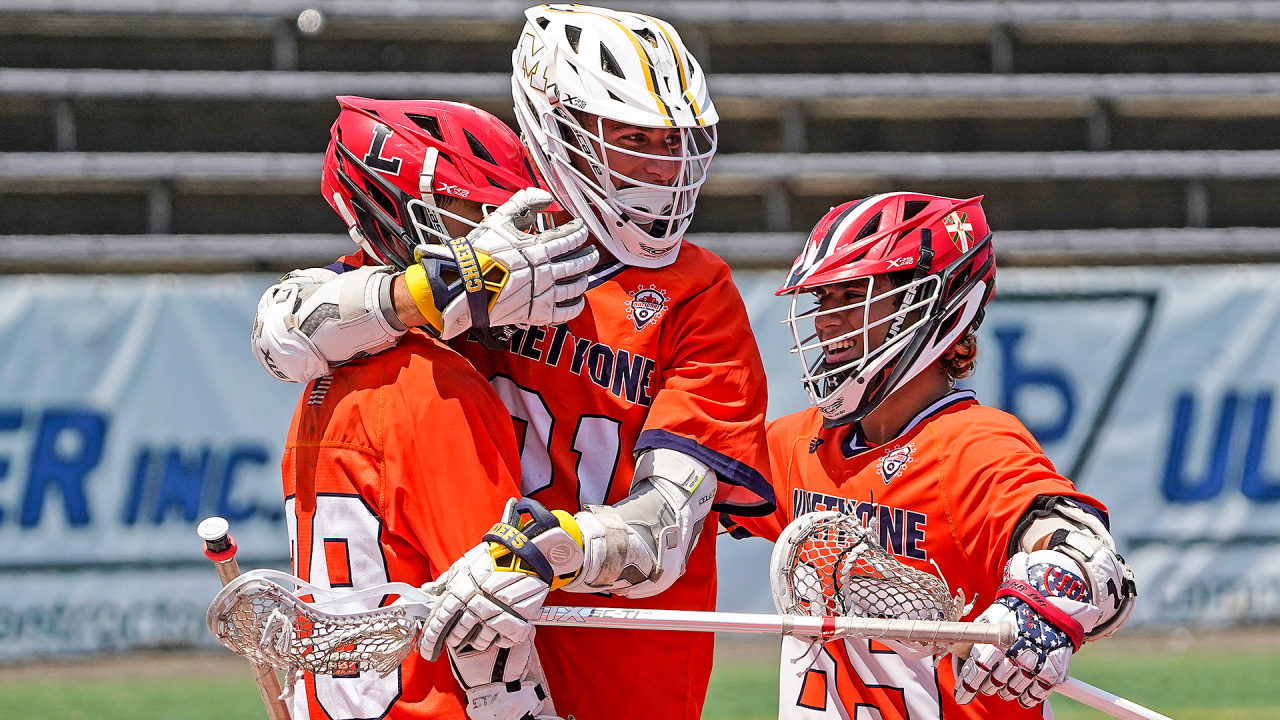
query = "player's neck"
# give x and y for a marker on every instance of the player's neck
(921, 391)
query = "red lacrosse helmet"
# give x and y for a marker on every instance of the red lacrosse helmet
(388, 159)
(932, 255)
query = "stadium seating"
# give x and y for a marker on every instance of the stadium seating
(203, 122)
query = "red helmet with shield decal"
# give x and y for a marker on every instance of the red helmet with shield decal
(389, 159)
(917, 271)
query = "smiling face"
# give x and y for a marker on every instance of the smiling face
(843, 312)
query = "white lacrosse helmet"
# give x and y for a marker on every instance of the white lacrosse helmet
(631, 69)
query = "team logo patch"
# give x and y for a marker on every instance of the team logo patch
(646, 305)
(959, 229)
(898, 458)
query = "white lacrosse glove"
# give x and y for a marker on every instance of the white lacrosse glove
(503, 683)
(500, 274)
(490, 596)
(1047, 599)
(315, 319)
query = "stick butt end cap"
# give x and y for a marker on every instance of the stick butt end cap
(212, 529)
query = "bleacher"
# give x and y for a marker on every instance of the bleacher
(184, 135)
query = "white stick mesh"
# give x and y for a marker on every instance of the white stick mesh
(827, 564)
(265, 622)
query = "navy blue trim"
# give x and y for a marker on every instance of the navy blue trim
(1094, 511)
(734, 530)
(340, 267)
(854, 444)
(604, 272)
(729, 470)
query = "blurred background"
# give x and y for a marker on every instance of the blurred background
(159, 166)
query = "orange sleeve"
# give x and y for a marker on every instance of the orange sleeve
(999, 471)
(782, 436)
(450, 467)
(711, 401)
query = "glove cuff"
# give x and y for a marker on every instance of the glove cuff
(420, 288)
(537, 541)
(1044, 608)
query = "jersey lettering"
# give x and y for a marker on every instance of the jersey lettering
(626, 375)
(339, 547)
(901, 531)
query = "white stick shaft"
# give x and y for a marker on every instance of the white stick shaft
(688, 620)
(919, 630)
(1106, 702)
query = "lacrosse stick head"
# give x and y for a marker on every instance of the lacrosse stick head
(265, 622)
(827, 564)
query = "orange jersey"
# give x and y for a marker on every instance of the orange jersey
(950, 489)
(660, 358)
(394, 469)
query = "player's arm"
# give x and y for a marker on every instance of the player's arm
(444, 485)
(1064, 583)
(637, 548)
(499, 275)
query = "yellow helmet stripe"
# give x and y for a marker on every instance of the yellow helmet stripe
(651, 77)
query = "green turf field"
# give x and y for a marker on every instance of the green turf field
(1208, 680)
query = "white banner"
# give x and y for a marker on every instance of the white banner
(131, 407)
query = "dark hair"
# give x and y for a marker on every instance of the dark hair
(958, 361)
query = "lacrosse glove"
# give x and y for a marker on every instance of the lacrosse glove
(503, 683)
(1045, 596)
(501, 274)
(490, 596)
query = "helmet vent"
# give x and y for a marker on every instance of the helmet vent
(495, 183)
(609, 64)
(688, 61)
(428, 123)
(872, 225)
(912, 208)
(543, 22)
(648, 36)
(612, 96)
(478, 148)
(573, 34)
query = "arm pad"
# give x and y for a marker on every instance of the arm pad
(1081, 536)
(639, 547)
(315, 319)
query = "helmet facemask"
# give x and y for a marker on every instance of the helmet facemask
(842, 369)
(651, 211)
(380, 209)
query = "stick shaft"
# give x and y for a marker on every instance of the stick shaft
(1099, 699)
(265, 677)
(692, 621)
(965, 635)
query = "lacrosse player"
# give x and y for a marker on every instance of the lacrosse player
(394, 465)
(640, 418)
(885, 299)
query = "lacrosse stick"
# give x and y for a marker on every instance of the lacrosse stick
(259, 615)
(827, 563)
(221, 549)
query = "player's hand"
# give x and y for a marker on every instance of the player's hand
(491, 595)
(1048, 601)
(529, 278)
(503, 683)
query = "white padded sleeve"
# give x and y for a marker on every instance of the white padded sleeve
(639, 547)
(1081, 536)
(315, 319)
